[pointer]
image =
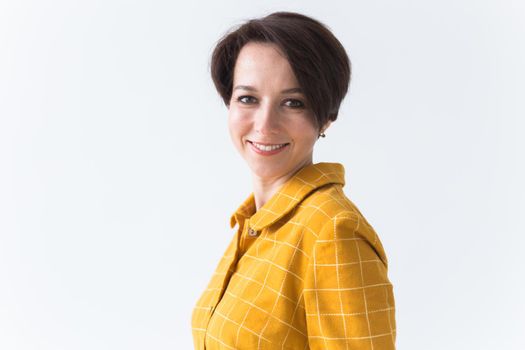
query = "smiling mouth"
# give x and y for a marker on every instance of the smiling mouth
(267, 149)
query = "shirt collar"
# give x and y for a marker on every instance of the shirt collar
(291, 193)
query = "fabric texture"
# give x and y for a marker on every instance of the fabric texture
(306, 271)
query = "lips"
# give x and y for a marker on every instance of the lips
(267, 148)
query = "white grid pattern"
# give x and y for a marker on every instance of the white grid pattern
(315, 277)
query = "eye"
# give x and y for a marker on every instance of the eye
(245, 99)
(293, 103)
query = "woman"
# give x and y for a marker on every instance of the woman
(304, 269)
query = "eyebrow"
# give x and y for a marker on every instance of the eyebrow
(285, 91)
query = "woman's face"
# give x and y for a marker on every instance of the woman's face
(269, 120)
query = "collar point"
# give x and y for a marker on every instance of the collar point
(233, 221)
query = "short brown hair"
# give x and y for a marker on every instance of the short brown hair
(318, 60)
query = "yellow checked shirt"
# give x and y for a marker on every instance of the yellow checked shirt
(306, 271)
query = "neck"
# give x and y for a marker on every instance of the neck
(265, 188)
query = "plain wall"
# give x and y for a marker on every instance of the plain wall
(118, 177)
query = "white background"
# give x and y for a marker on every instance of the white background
(118, 177)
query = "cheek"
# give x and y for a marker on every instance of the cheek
(305, 133)
(237, 125)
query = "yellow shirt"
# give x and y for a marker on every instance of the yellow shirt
(306, 271)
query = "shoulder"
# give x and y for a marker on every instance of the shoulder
(330, 215)
(326, 204)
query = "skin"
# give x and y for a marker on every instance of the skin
(261, 110)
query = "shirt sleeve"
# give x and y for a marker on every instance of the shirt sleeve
(349, 300)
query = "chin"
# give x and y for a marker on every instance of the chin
(268, 171)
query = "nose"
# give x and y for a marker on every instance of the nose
(266, 120)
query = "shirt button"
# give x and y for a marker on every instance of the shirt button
(252, 232)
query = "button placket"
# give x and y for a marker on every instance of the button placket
(248, 236)
(252, 232)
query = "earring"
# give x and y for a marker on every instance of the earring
(322, 134)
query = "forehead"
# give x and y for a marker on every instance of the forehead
(261, 61)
